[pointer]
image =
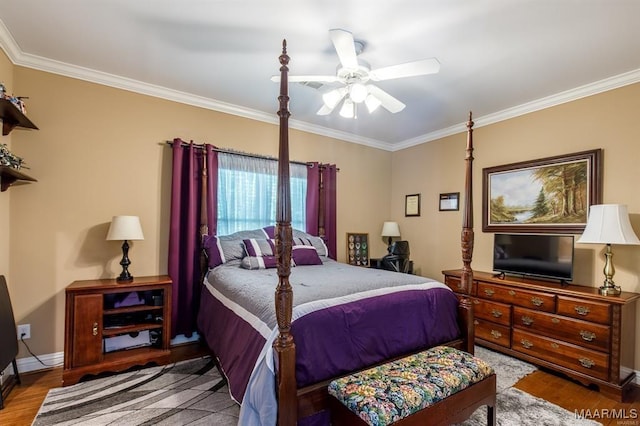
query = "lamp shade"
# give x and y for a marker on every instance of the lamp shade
(390, 229)
(608, 224)
(125, 228)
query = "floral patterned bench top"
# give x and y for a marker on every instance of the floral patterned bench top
(395, 390)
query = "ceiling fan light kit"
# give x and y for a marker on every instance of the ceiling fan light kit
(354, 74)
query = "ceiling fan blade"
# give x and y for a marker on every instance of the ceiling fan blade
(345, 47)
(303, 78)
(409, 69)
(388, 102)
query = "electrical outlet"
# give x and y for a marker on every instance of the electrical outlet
(24, 331)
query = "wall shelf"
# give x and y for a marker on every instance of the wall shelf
(9, 175)
(12, 117)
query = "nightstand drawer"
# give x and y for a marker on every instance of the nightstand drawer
(586, 361)
(494, 333)
(492, 311)
(581, 333)
(525, 298)
(584, 309)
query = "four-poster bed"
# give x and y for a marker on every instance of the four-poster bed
(343, 315)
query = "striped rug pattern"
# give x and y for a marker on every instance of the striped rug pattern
(189, 392)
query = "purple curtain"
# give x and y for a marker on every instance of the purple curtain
(329, 177)
(321, 204)
(313, 198)
(187, 215)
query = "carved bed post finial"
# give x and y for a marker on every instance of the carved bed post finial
(467, 237)
(284, 346)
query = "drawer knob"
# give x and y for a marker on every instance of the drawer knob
(537, 301)
(512, 293)
(587, 335)
(526, 343)
(489, 292)
(496, 313)
(95, 329)
(555, 320)
(476, 302)
(476, 322)
(582, 310)
(554, 345)
(527, 320)
(586, 362)
(496, 334)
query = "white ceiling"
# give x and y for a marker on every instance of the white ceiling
(500, 58)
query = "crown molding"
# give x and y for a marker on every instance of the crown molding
(570, 95)
(20, 58)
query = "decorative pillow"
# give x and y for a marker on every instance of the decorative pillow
(270, 231)
(258, 262)
(305, 255)
(254, 247)
(213, 248)
(241, 235)
(311, 241)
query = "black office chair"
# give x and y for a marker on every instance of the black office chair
(398, 258)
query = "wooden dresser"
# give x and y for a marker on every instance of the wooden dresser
(571, 329)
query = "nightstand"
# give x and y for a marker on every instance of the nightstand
(112, 326)
(377, 264)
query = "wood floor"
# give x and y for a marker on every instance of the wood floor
(22, 404)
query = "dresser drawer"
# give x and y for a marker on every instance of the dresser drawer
(582, 333)
(492, 311)
(584, 309)
(455, 284)
(494, 333)
(525, 298)
(586, 361)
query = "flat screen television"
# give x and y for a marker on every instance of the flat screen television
(536, 255)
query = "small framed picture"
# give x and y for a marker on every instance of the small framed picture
(450, 201)
(412, 205)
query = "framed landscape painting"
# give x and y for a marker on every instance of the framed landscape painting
(550, 195)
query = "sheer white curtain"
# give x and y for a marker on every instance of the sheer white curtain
(247, 193)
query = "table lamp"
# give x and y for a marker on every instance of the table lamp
(125, 228)
(390, 230)
(609, 224)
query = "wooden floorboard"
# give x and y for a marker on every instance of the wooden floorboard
(22, 404)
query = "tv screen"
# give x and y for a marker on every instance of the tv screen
(548, 256)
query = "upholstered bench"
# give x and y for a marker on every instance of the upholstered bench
(439, 386)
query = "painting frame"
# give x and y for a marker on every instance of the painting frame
(358, 248)
(589, 169)
(412, 205)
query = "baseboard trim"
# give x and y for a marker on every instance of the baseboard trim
(28, 364)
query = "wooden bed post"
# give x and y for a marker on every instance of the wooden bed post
(284, 347)
(467, 243)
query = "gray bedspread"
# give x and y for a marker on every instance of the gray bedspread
(254, 289)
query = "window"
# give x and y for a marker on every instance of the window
(247, 193)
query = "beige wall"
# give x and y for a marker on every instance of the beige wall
(100, 152)
(607, 120)
(6, 71)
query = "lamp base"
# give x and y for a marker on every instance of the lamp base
(610, 290)
(124, 278)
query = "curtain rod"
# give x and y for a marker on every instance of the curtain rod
(244, 154)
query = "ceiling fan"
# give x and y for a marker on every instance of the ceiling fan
(356, 76)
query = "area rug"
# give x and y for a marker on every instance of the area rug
(193, 393)
(515, 407)
(189, 392)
